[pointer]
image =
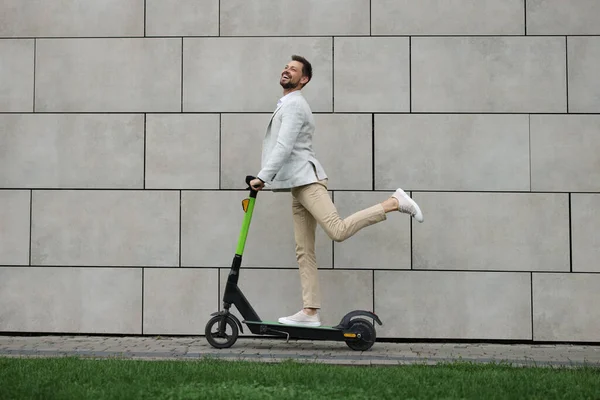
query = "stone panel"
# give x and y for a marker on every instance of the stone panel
(488, 74)
(182, 151)
(452, 152)
(72, 151)
(492, 231)
(242, 74)
(106, 228)
(385, 245)
(241, 146)
(68, 18)
(179, 301)
(182, 18)
(108, 75)
(372, 74)
(584, 82)
(585, 220)
(71, 300)
(565, 307)
(14, 227)
(294, 18)
(211, 223)
(278, 293)
(448, 305)
(343, 144)
(564, 153)
(447, 17)
(559, 17)
(16, 74)
(348, 168)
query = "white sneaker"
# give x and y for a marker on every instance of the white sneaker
(407, 205)
(301, 318)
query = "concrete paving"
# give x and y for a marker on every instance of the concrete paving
(276, 350)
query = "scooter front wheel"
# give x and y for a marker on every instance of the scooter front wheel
(221, 331)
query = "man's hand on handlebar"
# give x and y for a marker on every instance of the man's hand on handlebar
(257, 184)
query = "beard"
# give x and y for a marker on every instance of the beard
(289, 84)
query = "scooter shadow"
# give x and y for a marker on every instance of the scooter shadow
(262, 343)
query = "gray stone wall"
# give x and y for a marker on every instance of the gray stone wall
(128, 126)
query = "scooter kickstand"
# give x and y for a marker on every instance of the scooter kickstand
(287, 340)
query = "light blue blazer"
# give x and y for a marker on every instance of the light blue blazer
(288, 159)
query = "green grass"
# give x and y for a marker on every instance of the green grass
(75, 378)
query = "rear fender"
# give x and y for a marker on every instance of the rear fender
(345, 322)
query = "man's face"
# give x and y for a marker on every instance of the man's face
(291, 76)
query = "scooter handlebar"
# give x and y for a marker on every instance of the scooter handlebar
(250, 178)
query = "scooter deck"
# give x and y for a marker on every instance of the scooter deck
(279, 324)
(295, 331)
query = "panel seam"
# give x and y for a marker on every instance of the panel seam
(34, 69)
(370, 18)
(525, 15)
(142, 328)
(30, 223)
(144, 171)
(373, 151)
(333, 242)
(180, 223)
(410, 74)
(531, 290)
(567, 71)
(530, 173)
(333, 74)
(182, 74)
(570, 236)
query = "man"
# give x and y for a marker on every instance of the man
(289, 164)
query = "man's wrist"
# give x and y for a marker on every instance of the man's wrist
(261, 179)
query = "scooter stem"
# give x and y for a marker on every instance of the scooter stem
(248, 205)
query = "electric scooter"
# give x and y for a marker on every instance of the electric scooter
(222, 329)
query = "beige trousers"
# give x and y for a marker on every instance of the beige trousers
(311, 204)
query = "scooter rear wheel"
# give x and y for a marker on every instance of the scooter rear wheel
(365, 335)
(221, 332)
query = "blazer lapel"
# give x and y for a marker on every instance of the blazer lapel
(297, 93)
(275, 112)
(271, 120)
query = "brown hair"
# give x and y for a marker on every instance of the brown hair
(306, 67)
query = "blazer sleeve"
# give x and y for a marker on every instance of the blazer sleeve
(292, 120)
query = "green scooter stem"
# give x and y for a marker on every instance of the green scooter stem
(245, 225)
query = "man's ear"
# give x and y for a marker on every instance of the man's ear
(304, 80)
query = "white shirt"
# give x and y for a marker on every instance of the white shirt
(284, 98)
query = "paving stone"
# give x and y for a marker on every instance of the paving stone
(273, 351)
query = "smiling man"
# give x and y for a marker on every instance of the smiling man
(289, 164)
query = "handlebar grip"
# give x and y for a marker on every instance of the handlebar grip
(249, 179)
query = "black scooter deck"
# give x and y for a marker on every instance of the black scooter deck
(279, 324)
(295, 331)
